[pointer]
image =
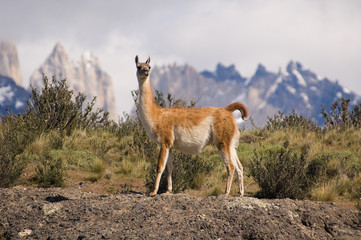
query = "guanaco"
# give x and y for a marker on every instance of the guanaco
(188, 130)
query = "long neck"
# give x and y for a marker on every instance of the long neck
(147, 107)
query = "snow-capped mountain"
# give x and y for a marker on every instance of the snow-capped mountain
(12, 97)
(85, 76)
(299, 89)
(264, 93)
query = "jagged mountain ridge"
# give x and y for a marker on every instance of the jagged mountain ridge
(85, 76)
(186, 83)
(265, 92)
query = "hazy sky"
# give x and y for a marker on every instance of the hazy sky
(324, 35)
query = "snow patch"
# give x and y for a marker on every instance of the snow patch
(319, 77)
(262, 105)
(313, 88)
(346, 90)
(306, 100)
(19, 104)
(273, 88)
(301, 81)
(5, 93)
(248, 80)
(291, 89)
(338, 94)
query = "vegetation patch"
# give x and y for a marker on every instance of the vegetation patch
(61, 133)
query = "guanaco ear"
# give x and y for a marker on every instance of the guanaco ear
(136, 60)
(148, 60)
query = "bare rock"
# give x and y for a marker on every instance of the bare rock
(55, 213)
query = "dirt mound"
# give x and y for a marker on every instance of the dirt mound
(71, 214)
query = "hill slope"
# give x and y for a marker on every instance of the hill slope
(73, 214)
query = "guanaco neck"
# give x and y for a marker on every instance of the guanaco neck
(147, 108)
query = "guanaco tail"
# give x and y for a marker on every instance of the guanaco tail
(189, 130)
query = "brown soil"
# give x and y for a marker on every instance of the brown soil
(71, 213)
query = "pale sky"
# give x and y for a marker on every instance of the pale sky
(324, 35)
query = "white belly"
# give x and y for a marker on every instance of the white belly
(193, 140)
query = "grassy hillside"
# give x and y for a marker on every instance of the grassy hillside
(62, 141)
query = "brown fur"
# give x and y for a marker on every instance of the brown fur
(189, 129)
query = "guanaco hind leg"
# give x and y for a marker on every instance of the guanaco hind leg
(239, 171)
(227, 160)
(169, 172)
(232, 163)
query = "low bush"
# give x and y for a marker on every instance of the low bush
(340, 118)
(55, 107)
(292, 121)
(50, 172)
(281, 172)
(14, 137)
(336, 163)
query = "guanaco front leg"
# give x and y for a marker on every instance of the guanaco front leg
(162, 161)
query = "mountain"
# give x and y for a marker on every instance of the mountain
(218, 91)
(12, 96)
(265, 93)
(299, 89)
(85, 76)
(9, 62)
(223, 73)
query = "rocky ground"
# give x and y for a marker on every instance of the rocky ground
(72, 214)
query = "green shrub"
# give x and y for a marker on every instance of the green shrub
(292, 121)
(281, 172)
(14, 137)
(340, 118)
(55, 107)
(356, 189)
(50, 172)
(337, 171)
(336, 163)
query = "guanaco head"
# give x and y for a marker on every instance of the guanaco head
(143, 69)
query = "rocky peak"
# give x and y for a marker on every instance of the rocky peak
(224, 73)
(58, 55)
(57, 64)
(89, 59)
(85, 76)
(9, 62)
(261, 71)
(292, 66)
